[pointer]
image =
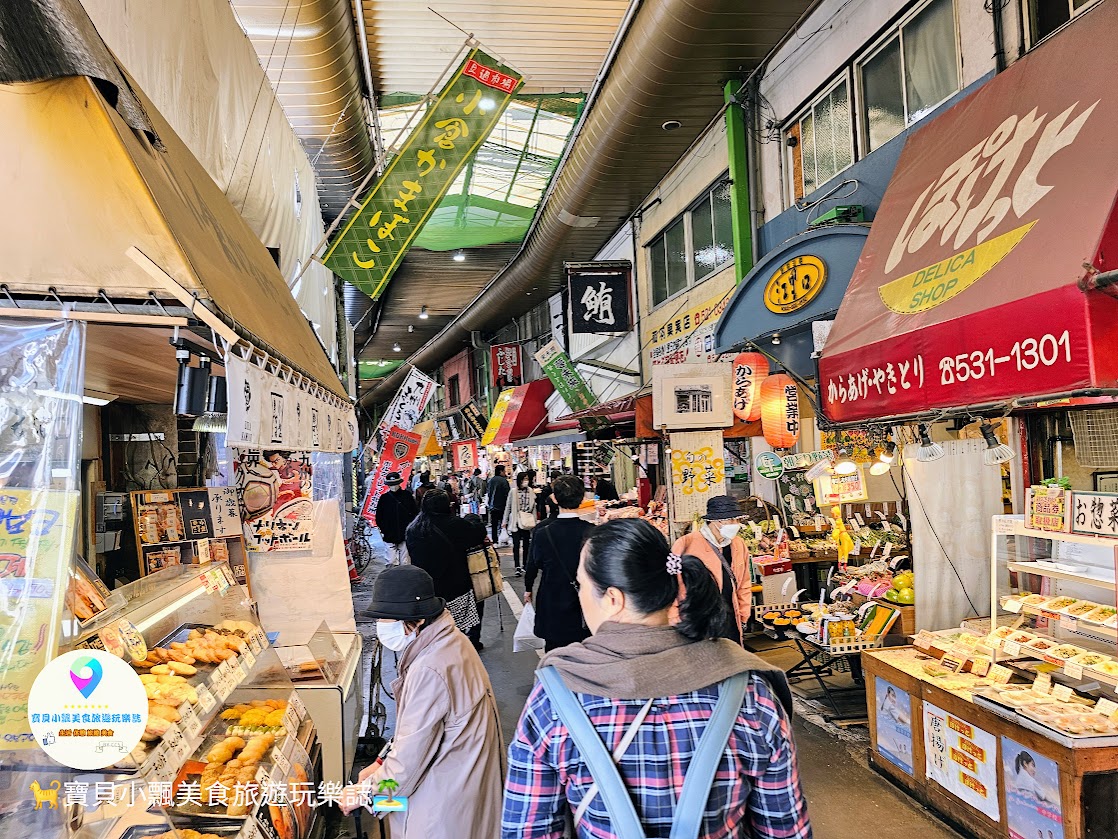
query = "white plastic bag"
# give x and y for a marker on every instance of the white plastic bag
(525, 636)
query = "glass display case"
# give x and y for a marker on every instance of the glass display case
(229, 747)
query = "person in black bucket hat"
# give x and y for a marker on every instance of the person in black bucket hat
(396, 509)
(446, 755)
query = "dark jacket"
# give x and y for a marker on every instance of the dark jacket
(605, 490)
(396, 509)
(497, 493)
(438, 545)
(554, 554)
(546, 506)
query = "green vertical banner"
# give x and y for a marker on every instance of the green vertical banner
(371, 245)
(558, 367)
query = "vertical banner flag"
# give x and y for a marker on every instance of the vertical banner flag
(465, 455)
(506, 365)
(475, 420)
(558, 367)
(498, 416)
(406, 407)
(399, 453)
(375, 239)
(599, 296)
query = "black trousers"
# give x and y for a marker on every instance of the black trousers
(521, 541)
(495, 517)
(475, 634)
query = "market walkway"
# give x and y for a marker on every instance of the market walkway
(847, 799)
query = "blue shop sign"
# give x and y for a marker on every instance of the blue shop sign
(801, 281)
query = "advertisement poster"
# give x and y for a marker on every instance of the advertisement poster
(688, 336)
(465, 455)
(400, 450)
(962, 759)
(505, 363)
(274, 488)
(840, 489)
(698, 472)
(36, 543)
(1032, 793)
(406, 406)
(894, 725)
(179, 527)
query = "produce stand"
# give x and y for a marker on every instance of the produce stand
(1027, 732)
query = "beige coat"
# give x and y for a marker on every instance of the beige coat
(447, 753)
(696, 544)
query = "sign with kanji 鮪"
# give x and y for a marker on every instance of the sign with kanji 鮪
(599, 296)
(375, 239)
(1095, 513)
(558, 367)
(698, 471)
(506, 365)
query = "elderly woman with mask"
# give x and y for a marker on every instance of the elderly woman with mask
(727, 559)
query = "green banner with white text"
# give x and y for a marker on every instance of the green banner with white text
(369, 248)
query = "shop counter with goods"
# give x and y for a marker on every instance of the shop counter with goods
(1010, 725)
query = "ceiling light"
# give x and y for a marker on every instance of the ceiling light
(844, 465)
(672, 125)
(928, 450)
(423, 313)
(459, 256)
(996, 452)
(887, 454)
(411, 327)
(396, 346)
(776, 339)
(880, 468)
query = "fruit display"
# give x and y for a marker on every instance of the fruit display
(902, 591)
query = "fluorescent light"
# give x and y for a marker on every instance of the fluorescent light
(423, 313)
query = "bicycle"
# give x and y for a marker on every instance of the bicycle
(357, 546)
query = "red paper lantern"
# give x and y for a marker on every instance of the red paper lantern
(750, 369)
(780, 411)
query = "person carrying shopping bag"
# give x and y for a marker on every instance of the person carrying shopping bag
(520, 520)
(651, 728)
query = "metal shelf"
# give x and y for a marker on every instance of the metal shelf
(1055, 574)
(1078, 538)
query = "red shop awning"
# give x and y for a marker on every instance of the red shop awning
(966, 292)
(526, 414)
(616, 410)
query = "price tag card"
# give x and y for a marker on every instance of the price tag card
(953, 661)
(280, 761)
(243, 669)
(999, 675)
(1042, 684)
(980, 666)
(190, 723)
(820, 521)
(1013, 606)
(161, 769)
(1073, 670)
(1062, 692)
(206, 699)
(228, 572)
(290, 721)
(247, 658)
(1069, 624)
(249, 831)
(257, 641)
(795, 532)
(294, 701)
(923, 640)
(888, 550)
(1106, 707)
(1011, 648)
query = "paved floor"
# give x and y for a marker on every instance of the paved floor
(847, 799)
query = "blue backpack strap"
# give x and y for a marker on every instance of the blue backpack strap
(623, 815)
(704, 764)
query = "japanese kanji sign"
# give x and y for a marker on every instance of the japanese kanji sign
(406, 407)
(962, 759)
(698, 472)
(1095, 513)
(465, 455)
(375, 239)
(506, 365)
(599, 296)
(474, 419)
(498, 416)
(558, 367)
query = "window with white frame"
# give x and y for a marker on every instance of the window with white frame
(695, 245)
(821, 139)
(1046, 16)
(913, 71)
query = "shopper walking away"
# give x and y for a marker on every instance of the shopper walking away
(651, 692)
(446, 754)
(605, 489)
(520, 520)
(424, 487)
(497, 496)
(727, 559)
(396, 509)
(438, 542)
(545, 501)
(554, 555)
(477, 491)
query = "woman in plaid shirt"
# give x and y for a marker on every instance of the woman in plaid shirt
(641, 679)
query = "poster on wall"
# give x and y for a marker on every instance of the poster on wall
(840, 489)
(274, 490)
(1032, 793)
(692, 396)
(962, 759)
(400, 450)
(189, 526)
(698, 472)
(505, 365)
(464, 453)
(893, 714)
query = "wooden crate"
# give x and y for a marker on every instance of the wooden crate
(904, 625)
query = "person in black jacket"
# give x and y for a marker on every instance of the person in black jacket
(546, 508)
(554, 555)
(396, 509)
(605, 490)
(497, 497)
(438, 542)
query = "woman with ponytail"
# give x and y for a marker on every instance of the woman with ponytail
(655, 697)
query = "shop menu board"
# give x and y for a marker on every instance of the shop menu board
(894, 725)
(274, 489)
(189, 526)
(840, 489)
(1032, 793)
(962, 759)
(36, 543)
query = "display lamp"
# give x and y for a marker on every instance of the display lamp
(845, 465)
(423, 313)
(928, 450)
(996, 451)
(396, 346)
(885, 459)
(216, 418)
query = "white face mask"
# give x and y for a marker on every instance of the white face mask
(729, 531)
(394, 635)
